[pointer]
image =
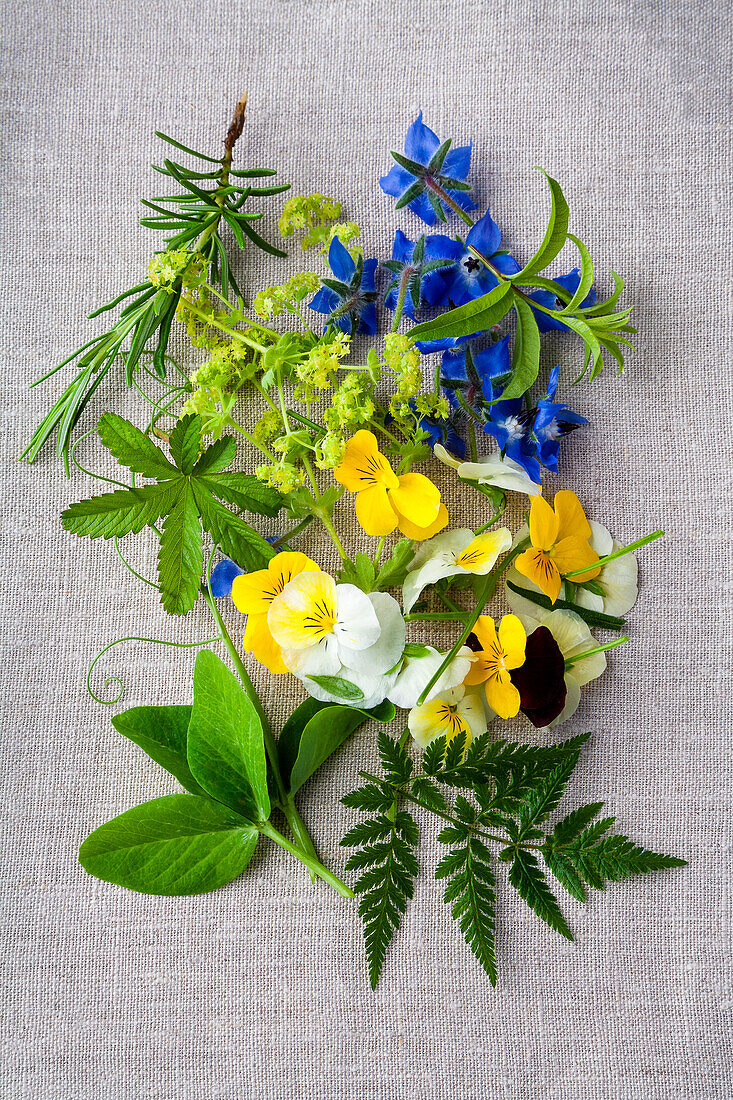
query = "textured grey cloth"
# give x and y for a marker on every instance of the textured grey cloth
(259, 990)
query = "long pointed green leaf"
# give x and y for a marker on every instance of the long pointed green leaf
(526, 357)
(180, 558)
(475, 316)
(121, 512)
(132, 448)
(555, 234)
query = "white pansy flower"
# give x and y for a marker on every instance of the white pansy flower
(573, 637)
(455, 711)
(618, 579)
(415, 673)
(451, 554)
(502, 473)
(336, 630)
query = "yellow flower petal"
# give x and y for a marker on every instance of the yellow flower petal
(572, 553)
(258, 641)
(502, 696)
(411, 531)
(570, 516)
(253, 593)
(374, 512)
(363, 465)
(481, 553)
(536, 566)
(485, 631)
(415, 499)
(543, 524)
(480, 670)
(304, 612)
(513, 641)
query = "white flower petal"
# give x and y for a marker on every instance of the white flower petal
(445, 457)
(502, 473)
(386, 651)
(600, 539)
(429, 573)
(572, 699)
(619, 580)
(447, 544)
(321, 659)
(357, 626)
(416, 673)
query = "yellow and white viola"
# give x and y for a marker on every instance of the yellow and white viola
(416, 671)
(502, 473)
(331, 630)
(253, 593)
(455, 711)
(450, 554)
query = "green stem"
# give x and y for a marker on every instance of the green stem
(378, 554)
(285, 539)
(596, 649)
(487, 591)
(313, 865)
(617, 554)
(491, 522)
(406, 276)
(437, 617)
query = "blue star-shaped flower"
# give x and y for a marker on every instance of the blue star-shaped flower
(349, 298)
(552, 423)
(427, 161)
(222, 578)
(470, 278)
(443, 431)
(569, 282)
(425, 259)
(476, 375)
(509, 425)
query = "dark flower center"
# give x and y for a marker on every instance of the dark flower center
(471, 264)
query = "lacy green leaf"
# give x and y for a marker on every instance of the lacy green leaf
(178, 844)
(226, 752)
(180, 557)
(161, 732)
(471, 894)
(527, 878)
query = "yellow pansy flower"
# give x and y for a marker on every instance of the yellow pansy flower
(449, 713)
(384, 499)
(254, 592)
(560, 538)
(499, 653)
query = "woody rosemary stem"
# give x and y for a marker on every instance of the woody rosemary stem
(285, 801)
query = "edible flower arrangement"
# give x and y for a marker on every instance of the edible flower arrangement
(337, 402)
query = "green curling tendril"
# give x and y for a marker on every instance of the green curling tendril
(117, 680)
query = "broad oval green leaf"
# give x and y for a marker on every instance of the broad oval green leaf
(337, 685)
(556, 233)
(314, 731)
(475, 316)
(226, 751)
(178, 844)
(161, 732)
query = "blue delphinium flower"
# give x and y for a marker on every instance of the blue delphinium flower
(569, 282)
(552, 422)
(470, 278)
(426, 161)
(424, 259)
(222, 577)
(349, 298)
(509, 424)
(476, 375)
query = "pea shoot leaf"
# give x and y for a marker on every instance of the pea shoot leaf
(184, 495)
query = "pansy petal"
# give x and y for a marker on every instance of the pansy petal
(573, 553)
(304, 612)
(485, 631)
(374, 511)
(363, 464)
(537, 567)
(543, 523)
(386, 650)
(481, 554)
(258, 641)
(415, 499)
(570, 515)
(412, 531)
(513, 641)
(320, 659)
(502, 696)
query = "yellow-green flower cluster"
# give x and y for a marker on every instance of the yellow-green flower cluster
(352, 404)
(166, 267)
(347, 232)
(403, 358)
(330, 450)
(285, 477)
(308, 212)
(316, 370)
(267, 427)
(284, 297)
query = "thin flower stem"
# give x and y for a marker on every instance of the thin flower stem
(313, 864)
(596, 649)
(378, 554)
(496, 516)
(406, 276)
(236, 334)
(285, 539)
(487, 591)
(437, 617)
(617, 553)
(259, 446)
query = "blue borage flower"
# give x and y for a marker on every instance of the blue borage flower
(471, 377)
(509, 424)
(424, 260)
(469, 278)
(222, 578)
(349, 298)
(443, 432)
(569, 282)
(552, 422)
(428, 161)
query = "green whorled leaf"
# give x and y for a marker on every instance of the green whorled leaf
(132, 448)
(527, 878)
(180, 558)
(555, 234)
(336, 685)
(256, 239)
(586, 277)
(217, 457)
(608, 304)
(185, 442)
(244, 491)
(234, 536)
(314, 731)
(526, 357)
(475, 316)
(185, 149)
(161, 732)
(178, 844)
(121, 512)
(226, 752)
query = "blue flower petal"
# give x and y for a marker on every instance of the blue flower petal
(493, 363)
(427, 347)
(552, 383)
(421, 206)
(440, 247)
(453, 365)
(368, 322)
(484, 236)
(222, 578)
(325, 301)
(569, 282)
(505, 263)
(457, 162)
(369, 274)
(396, 182)
(341, 261)
(420, 142)
(402, 247)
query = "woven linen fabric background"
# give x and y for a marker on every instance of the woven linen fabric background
(259, 990)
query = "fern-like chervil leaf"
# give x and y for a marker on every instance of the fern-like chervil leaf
(184, 496)
(527, 878)
(386, 856)
(471, 891)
